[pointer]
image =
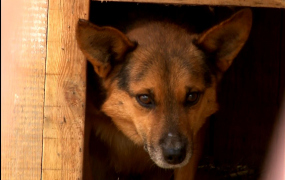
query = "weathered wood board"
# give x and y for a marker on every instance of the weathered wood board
(64, 108)
(43, 90)
(251, 3)
(23, 58)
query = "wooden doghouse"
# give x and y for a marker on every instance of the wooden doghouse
(44, 81)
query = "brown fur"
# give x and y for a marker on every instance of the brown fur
(166, 63)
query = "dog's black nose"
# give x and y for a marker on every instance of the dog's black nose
(173, 148)
(174, 156)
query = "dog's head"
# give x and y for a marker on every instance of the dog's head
(161, 79)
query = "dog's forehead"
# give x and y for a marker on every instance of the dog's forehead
(161, 34)
(165, 54)
(162, 43)
(160, 63)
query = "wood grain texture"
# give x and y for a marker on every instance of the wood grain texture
(251, 3)
(64, 109)
(22, 87)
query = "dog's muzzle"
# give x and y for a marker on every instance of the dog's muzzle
(173, 148)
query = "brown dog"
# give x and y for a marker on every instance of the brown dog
(156, 89)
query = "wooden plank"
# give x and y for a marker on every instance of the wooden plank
(22, 87)
(64, 109)
(250, 3)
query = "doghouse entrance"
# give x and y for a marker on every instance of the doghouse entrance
(251, 90)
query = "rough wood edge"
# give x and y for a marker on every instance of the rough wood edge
(249, 3)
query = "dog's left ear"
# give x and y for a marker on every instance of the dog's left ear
(103, 46)
(226, 39)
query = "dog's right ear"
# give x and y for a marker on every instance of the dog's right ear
(225, 40)
(102, 46)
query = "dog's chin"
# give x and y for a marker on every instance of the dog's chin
(158, 159)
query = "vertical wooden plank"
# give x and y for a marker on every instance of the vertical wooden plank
(64, 93)
(23, 58)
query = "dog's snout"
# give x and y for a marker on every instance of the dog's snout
(174, 156)
(173, 148)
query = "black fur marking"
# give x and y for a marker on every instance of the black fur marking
(208, 78)
(124, 73)
(124, 77)
(210, 66)
(95, 90)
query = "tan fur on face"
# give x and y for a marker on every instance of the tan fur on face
(169, 80)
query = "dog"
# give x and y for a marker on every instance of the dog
(154, 88)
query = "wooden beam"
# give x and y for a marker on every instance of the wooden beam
(249, 3)
(22, 87)
(64, 109)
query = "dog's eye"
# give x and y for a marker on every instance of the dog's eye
(144, 100)
(192, 98)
